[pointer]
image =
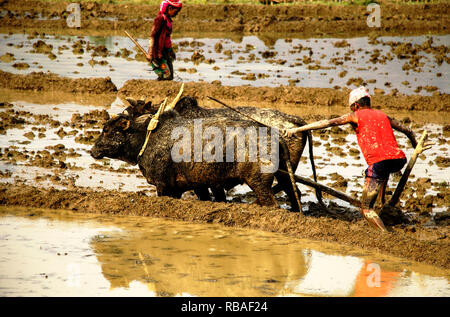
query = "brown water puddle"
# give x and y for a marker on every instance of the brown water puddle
(59, 253)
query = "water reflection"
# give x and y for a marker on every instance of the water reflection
(331, 275)
(202, 261)
(57, 253)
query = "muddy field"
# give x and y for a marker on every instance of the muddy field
(47, 164)
(269, 97)
(427, 245)
(50, 118)
(310, 20)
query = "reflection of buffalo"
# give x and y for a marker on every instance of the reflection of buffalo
(200, 260)
(123, 137)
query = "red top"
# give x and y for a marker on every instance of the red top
(161, 31)
(376, 137)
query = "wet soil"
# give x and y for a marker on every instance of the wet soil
(308, 20)
(47, 82)
(424, 239)
(273, 97)
(427, 245)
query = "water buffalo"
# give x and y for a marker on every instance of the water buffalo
(188, 107)
(168, 162)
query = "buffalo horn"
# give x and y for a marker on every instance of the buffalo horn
(174, 102)
(131, 101)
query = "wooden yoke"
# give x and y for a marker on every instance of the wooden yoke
(155, 119)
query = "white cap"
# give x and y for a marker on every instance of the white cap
(357, 94)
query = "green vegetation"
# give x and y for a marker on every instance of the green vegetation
(281, 2)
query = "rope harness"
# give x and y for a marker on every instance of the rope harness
(153, 124)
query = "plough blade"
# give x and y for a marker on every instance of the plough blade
(326, 189)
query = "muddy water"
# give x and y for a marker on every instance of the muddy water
(58, 253)
(249, 61)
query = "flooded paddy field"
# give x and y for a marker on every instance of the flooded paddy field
(103, 230)
(391, 65)
(57, 252)
(49, 144)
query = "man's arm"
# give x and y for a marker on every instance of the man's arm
(322, 124)
(406, 131)
(150, 49)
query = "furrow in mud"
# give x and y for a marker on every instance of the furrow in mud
(273, 97)
(283, 95)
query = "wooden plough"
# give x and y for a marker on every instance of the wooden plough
(421, 146)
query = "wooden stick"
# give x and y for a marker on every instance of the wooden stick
(326, 189)
(136, 43)
(401, 184)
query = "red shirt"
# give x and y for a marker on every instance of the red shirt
(376, 137)
(161, 32)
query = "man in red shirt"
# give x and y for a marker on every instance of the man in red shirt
(377, 142)
(160, 51)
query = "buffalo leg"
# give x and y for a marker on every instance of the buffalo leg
(261, 186)
(202, 193)
(171, 192)
(219, 194)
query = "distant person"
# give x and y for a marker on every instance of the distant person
(377, 142)
(160, 51)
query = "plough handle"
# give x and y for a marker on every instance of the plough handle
(401, 184)
(136, 43)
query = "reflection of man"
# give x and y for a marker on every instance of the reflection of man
(339, 275)
(377, 142)
(373, 282)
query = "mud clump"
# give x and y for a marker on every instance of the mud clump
(446, 130)
(442, 162)
(101, 51)
(92, 120)
(7, 58)
(393, 216)
(197, 58)
(123, 53)
(21, 66)
(42, 48)
(339, 182)
(10, 120)
(50, 82)
(341, 44)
